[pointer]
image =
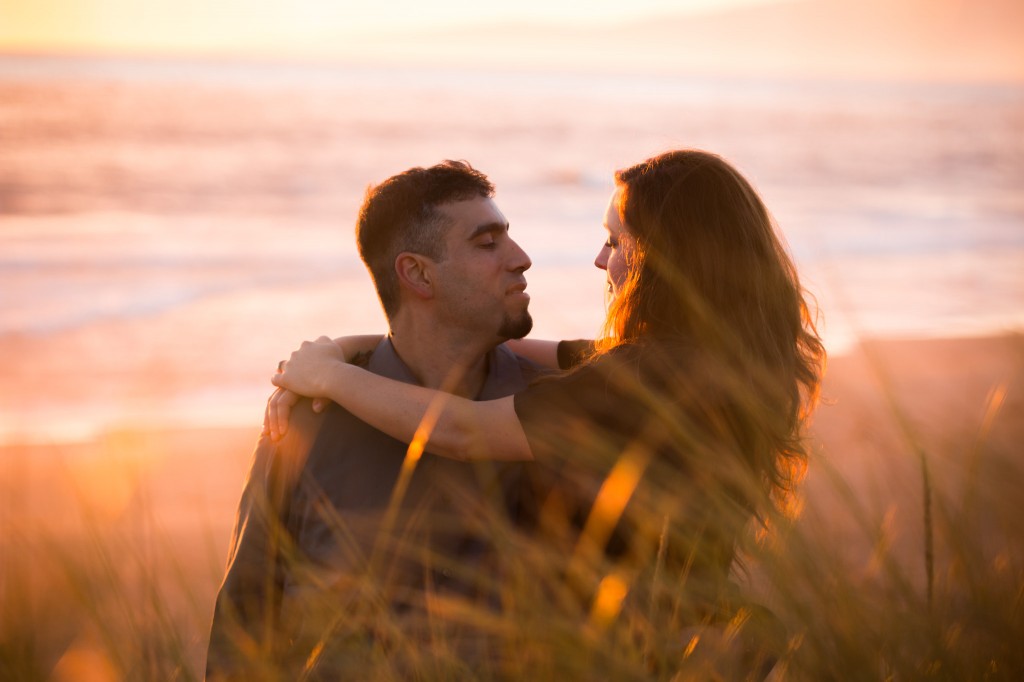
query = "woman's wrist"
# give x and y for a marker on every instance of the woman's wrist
(337, 381)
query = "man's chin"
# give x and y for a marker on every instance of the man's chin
(516, 327)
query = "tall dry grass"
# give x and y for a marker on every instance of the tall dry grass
(862, 585)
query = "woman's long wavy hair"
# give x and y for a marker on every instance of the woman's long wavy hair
(708, 269)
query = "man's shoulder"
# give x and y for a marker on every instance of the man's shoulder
(531, 371)
(508, 374)
(527, 369)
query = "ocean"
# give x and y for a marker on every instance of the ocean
(170, 229)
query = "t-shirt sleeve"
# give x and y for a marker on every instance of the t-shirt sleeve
(572, 353)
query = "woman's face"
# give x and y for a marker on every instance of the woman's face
(618, 247)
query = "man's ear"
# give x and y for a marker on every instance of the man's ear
(415, 273)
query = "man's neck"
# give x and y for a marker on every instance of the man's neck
(438, 358)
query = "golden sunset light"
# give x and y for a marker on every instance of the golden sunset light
(937, 40)
(255, 27)
(763, 423)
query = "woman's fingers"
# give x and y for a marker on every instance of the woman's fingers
(306, 369)
(279, 407)
(266, 417)
(302, 374)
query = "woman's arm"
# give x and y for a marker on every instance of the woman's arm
(280, 404)
(438, 422)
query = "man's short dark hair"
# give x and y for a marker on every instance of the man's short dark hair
(401, 214)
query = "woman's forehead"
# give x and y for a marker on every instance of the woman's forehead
(612, 219)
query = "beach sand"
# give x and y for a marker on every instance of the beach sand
(162, 503)
(892, 410)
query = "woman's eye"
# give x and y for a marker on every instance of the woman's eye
(611, 243)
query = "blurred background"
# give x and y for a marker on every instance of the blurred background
(178, 185)
(179, 180)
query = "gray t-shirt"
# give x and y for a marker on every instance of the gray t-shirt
(333, 533)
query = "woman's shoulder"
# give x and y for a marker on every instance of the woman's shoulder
(627, 370)
(656, 356)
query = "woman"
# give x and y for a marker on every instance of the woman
(675, 429)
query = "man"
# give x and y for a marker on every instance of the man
(347, 544)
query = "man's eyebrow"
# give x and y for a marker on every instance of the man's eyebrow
(488, 227)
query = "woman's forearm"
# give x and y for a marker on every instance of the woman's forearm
(439, 422)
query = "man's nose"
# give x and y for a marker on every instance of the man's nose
(520, 260)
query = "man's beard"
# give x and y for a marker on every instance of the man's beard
(516, 327)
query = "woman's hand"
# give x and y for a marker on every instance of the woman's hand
(308, 370)
(279, 408)
(280, 404)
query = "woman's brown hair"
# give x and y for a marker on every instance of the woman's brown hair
(708, 269)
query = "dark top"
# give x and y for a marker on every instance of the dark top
(653, 415)
(320, 546)
(573, 352)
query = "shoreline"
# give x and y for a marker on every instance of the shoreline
(243, 414)
(880, 403)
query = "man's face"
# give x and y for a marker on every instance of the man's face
(480, 285)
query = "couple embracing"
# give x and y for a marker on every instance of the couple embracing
(453, 500)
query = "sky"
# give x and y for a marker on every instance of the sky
(895, 40)
(270, 27)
